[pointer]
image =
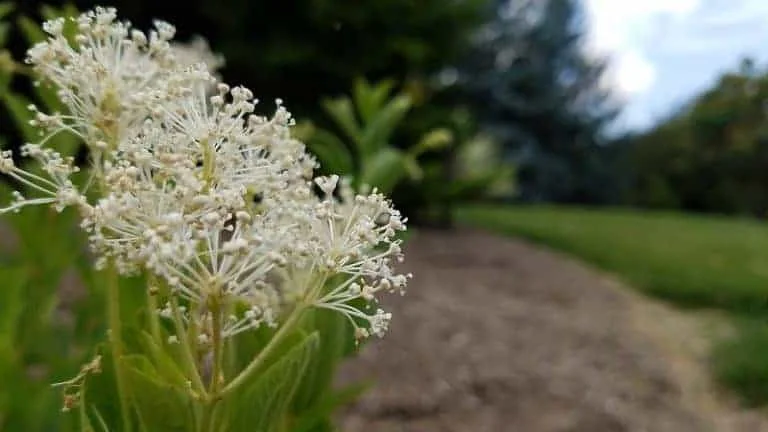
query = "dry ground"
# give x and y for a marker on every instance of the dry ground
(498, 335)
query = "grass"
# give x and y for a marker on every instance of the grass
(691, 260)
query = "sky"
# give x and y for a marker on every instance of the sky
(663, 52)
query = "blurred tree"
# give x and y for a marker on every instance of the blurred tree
(533, 85)
(711, 155)
(303, 50)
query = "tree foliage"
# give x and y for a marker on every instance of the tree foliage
(711, 155)
(304, 50)
(534, 86)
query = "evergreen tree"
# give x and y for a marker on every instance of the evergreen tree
(534, 86)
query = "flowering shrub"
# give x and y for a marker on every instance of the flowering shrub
(239, 253)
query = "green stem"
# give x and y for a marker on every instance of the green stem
(154, 320)
(217, 347)
(254, 365)
(186, 348)
(293, 319)
(208, 422)
(116, 343)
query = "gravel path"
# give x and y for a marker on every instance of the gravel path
(498, 335)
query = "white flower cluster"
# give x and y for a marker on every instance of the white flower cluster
(195, 188)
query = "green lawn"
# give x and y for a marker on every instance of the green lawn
(690, 260)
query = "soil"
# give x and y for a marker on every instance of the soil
(499, 335)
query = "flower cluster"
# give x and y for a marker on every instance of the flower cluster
(194, 187)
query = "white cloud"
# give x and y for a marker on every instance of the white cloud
(633, 74)
(662, 52)
(618, 28)
(719, 25)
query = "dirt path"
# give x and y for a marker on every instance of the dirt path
(497, 335)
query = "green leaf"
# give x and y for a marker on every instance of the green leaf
(67, 11)
(384, 170)
(369, 99)
(5, 9)
(261, 405)
(4, 29)
(341, 111)
(162, 361)
(64, 142)
(412, 167)
(472, 187)
(311, 419)
(333, 155)
(161, 405)
(31, 30)
(248, 345)
(102, 424)
(435, 139)
(85, 420)
(12, 301)
(50, 12)
(7, 64)
(379, 129)
(334, 331)
(17, 107)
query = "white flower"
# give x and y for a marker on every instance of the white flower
(108, 78)
(196, 189)
(197, 51)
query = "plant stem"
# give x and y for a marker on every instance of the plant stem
(154, 320)
(208, 422)
(116, 343)
(186, 347)
(293, 319)
(254, 365)
(217, 347)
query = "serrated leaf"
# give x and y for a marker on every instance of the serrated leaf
(162, 361)
(334, 332)
(247, 345)
(261, 405)
(161, 405)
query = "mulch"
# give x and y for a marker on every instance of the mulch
(499, 335)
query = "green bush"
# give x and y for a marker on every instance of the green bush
(363, 149)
